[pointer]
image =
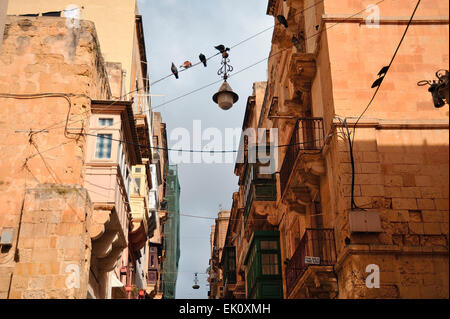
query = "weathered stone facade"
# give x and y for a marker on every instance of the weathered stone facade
(42, 169)
(218, 234)
(400, 150)
(65, 192)
(3, 10)
(53, 244)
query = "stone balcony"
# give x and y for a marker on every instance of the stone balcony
(303, 164)
(302, 70)
(309, 273)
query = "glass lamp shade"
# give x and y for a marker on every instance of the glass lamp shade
(225, 97)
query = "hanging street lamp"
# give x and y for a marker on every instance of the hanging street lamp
(225, 97)
(196, 285)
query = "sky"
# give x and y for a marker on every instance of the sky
(177, 31)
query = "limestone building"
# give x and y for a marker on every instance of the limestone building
(333, 215)
(80, 202)
(3, 10)
(216, 277)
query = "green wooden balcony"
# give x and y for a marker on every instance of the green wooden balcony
(257, 188)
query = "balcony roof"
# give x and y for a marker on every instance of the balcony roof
(98, 106)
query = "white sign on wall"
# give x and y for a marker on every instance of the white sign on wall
(312, 260)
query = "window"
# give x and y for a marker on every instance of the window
(229, 268)
(269, 264)
(103, 147)
(263, 271)
(105, 122)
(136, 184)
(265, 244)
(119, 155)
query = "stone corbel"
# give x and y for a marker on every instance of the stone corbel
(295, 4)
(110, 242)
(103, 247)
(302, 70)
(282, 37)
(109, 263)
(298, 198)
(100, 218)
(313, 167)
(313, 164)
(293, 20)
(297, 106)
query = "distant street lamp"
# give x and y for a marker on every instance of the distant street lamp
(195, 286)
(225, 97)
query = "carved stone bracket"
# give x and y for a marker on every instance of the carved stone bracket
(302, 70)
(298, 105)
(109, 243)
(282, 37)
(305, 183)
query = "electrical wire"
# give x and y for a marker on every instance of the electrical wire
(218, 81)
(239, 43)
(388, 68)
(352, 139)
(193, 151)
(260, 61)
(43, 95)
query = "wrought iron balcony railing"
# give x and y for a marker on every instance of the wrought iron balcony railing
(317, 247)
(308, 135)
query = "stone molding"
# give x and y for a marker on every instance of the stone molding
(339, 18)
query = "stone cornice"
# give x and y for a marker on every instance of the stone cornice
(387, 249)
(381, 124)
(339, 18)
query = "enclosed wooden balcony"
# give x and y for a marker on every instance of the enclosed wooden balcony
(308, 136)
(309, 273)
(138, 192)
(258, 189)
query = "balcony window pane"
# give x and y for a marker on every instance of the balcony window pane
(103, 147)
(137, 184)
(105, 122)
(270, 245)
(269, 264)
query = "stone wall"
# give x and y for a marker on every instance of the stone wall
(53, 246)
(42, 163)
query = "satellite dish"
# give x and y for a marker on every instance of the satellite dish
(195, 286)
